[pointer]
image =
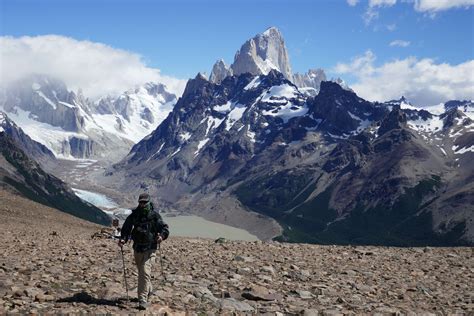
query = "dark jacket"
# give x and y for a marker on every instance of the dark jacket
(152, 220)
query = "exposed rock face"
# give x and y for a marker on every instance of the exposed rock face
(263, 53)
(47, 99)
(24, 176)
(325, 168)
(34, 149)
(220, 71)
(311, 79)
(50, 264)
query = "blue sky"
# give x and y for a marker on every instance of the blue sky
(182, 38)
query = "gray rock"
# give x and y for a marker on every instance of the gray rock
(261, 54)
(235, 305)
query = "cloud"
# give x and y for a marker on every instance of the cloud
(432, 6)
(372, 12)
(400, 43)
(382, 3)
(422, 81)
(391, 27)
(96, 68)
(352, 2)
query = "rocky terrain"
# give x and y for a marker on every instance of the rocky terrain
(51, 264)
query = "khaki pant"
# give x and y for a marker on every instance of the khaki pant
(144, 262)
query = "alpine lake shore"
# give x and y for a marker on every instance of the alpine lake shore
(52, 264)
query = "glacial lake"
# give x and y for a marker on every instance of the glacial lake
(181, 225)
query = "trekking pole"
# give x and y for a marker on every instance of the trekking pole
(161, 262)
(124, 272)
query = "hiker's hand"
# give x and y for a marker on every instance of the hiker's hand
(159, 238)
(121, 242)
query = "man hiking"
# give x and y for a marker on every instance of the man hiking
(147, 230)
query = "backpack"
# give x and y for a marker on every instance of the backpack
(144, 231)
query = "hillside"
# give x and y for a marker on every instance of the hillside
(55, 266)
(19, 173)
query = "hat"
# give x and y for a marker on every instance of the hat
(144, 197)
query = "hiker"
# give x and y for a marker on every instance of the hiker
(147, 230)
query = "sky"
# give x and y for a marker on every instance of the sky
(423, 49)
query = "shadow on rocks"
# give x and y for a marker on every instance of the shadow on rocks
(86, 298)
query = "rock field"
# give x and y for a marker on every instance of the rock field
(51, 264)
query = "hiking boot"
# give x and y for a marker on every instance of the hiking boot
(151, 294)
(143, 306)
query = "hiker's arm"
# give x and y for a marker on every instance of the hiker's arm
(163, 228)
(126, 229)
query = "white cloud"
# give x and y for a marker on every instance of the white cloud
(433, 6)
(372, 12)
(96, 68)
(422, 81)
(400, 43)
(382, 3)
(352, 2)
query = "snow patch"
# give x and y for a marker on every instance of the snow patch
(201, 144)
(283, 91)
(253, 84)
(434, 124)
(287, 111)
(67, 104)
(407, 106)
(234, 115)
(212, 123)
(251, 135)
(223, 108)
(463, 150)
(185, 136)
(41, 94)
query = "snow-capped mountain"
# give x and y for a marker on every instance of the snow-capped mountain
(329, 167)
(135, 113)
(72, 126)
(35, 150)
(265, 52)
(321, 166)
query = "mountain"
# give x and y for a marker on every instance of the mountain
(333, 168)
(311, 80)
(20, 174)
(220, 71)
(35, 150)
(262, 53)
(72, 126)
(265, 52)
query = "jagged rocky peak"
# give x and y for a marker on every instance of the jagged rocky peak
(311, 79)
(220, 71)
(459, 104)
(263, 53)
(395, 119)
(47, 100)
(195, 84)
(454, 116)
(159, 89)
